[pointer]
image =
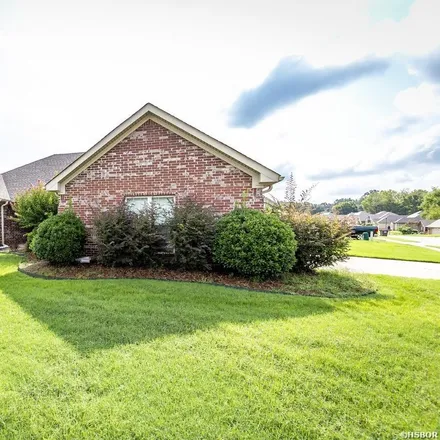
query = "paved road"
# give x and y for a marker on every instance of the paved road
(423, 242)
(409, 269)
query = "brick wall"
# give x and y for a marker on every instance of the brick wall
(14, 235)
(155, 161)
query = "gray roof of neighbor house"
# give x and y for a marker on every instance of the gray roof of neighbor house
(19, 179)
(434, 224)
(387, 217)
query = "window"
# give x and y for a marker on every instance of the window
(165, 203)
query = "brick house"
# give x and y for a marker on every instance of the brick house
(19, 179)
(155, 156)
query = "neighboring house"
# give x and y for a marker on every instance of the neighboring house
(386, 221)
(433, 228)
(155, 156)
(19, 179)
(414, 221)
(424, 225)
(362, 217)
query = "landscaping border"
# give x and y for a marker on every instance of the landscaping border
(249, 289)
(37, 275)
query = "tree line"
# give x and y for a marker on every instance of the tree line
(403, 202)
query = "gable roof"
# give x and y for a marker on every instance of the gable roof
(261, 175)
(388, 217)
(417, 214)
(19, 179)
(434, 224)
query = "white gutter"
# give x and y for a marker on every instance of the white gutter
(3, 222)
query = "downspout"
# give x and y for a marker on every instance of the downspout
(3, 222)
(267, 190)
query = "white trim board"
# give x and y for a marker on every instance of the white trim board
(261, 176)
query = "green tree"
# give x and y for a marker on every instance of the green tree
(34, 205)
(387, 200)
(345, 207)
(411, 201)
(371, 191)
(400, 202)
(431, 204)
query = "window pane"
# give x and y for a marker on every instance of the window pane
(137, 204)
(165, 205)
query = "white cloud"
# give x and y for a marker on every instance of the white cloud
(423, 100)
(73, 73)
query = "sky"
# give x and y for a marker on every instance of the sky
(344, 94)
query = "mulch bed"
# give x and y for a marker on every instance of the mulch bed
(96, 271)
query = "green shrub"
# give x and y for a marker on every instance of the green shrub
(407, 230)
(126, 238)
(59, 239)
(254, 244)
(34, 205)
(113, 235)
(321, 241)
(151, 236)
(192, 230)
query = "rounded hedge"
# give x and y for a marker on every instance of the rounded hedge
(254, 244)
(60, 239)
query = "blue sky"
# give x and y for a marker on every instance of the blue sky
(390, 9)
(345, 94)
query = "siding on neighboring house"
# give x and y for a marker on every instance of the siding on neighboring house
(156, 161)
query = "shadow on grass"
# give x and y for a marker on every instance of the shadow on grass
(330, 284)
(93, 315)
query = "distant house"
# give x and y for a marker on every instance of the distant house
(433, 228)
(386, 220)
(414, 221)
(19, 179)
(361, 217)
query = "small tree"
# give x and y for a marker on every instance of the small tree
(34, 205)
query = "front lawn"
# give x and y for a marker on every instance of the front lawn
(395, 251)
(142, 359)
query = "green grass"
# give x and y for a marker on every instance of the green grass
(394, 251)
(139, 359)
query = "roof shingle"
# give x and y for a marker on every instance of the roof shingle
(43, 170)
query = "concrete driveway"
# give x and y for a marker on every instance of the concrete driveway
(398, 268)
